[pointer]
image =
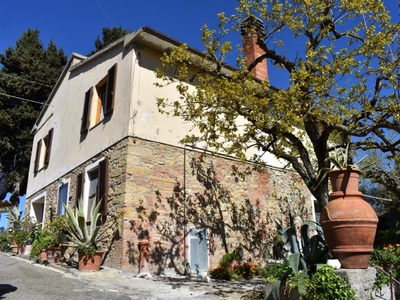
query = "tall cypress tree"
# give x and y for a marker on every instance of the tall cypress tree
(28, 73)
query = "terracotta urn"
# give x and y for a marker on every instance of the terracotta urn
(144, 264)
(349, 223)
(43, 255)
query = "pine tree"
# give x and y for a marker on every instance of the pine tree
(28, 73)
(109, 35)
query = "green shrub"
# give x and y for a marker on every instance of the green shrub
(388, 258)
(325, 284)
(227, 259)
(274, 271)
(44, 239)
(57, 227)
(220, 272)
(4, 239)
(231, 267)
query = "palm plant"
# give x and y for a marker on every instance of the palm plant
(86, 237)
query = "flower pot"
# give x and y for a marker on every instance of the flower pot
(90, 262)
(43, 255)
(54, 254)
(349, 223)
(14, 248)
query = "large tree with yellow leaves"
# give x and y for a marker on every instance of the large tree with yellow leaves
(340, 60)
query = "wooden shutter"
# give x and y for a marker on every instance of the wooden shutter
(48, 147)
(110, 93)
(102, 186)
(37, 160)
(79, 188)
(86, 111)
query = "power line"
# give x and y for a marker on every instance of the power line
(377, 198)
(105, 13)
(24, 99)
(30, 81)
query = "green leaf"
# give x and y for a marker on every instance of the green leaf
(294, 260)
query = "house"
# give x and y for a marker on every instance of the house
(100, 137)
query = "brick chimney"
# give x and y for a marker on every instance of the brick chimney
(251, 28)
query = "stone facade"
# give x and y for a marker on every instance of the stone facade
(162, 190)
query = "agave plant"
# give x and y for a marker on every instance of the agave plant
(86, 237)
(340, 160)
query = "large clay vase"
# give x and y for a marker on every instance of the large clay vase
(90, 262)
(349, 223)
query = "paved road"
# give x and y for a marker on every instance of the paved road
(20, 279)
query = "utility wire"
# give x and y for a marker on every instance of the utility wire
(24, 99)
(378, 198)
(23, 79)
(105, 13)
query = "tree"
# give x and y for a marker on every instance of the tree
(381, 184)
(28, 73)
(341, 63)
(109, 35)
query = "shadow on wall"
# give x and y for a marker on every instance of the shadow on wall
(229, 222)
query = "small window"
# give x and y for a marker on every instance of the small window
(43, 150)
(99, 101)
(92, 186)
(62, 197)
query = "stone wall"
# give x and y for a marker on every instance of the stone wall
(156, 208)
(159, 194)
(116, 155)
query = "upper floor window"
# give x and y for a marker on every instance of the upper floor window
(92, 186)
(99, 101)
(43, 150)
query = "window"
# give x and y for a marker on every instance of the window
(43, 151)
(99, 101)
(92, 186)
(63, 189)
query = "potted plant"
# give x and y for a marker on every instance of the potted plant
(43, 240)
(340, 166)
(87, 234)
(349, 223)
(20, 238)
(57, 227)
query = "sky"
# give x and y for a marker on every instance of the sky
(75, 24)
